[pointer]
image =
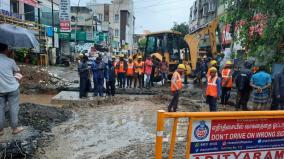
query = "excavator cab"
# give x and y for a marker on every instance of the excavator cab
(168, 44)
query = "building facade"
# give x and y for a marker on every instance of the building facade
(117, 20)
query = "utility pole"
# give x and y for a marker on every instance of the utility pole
(52, 21)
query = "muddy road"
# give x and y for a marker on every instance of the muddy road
(123, 127)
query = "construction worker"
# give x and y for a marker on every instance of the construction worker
(83, 71)
(130, 72)
(213, 90)
(176, 86)
(116, 69)
(139, 72)
(164, 67)
(243, 86)
(121, 67)
(99, 73)
(227, 82)
(148, 70)
(110, 80)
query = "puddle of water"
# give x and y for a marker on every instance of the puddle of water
(37, 99)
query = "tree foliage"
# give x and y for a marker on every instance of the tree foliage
(266, 45)
(142, 44)
(182, 27)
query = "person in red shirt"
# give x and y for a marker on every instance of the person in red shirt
(148, 70)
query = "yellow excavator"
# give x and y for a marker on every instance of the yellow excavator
(193, 40)
(168, 44)
(177, 49)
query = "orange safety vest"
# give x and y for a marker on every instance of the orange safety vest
(130, 69)
(178, 78)
(121, 67)
(139, 67)
(227, 80)
(212, 88)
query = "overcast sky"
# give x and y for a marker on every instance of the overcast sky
(155, 15)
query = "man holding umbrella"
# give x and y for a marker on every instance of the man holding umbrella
(9, 90)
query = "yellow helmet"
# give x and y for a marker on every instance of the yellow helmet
(181, 66)
(139, 57)
(81, 55)
(213, 62)
(229, 62)
(121, 55)
(130, 58)
(113, 56)
(213, 69)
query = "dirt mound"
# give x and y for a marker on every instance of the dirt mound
(42, 118)
(37, 78)
(39, 121)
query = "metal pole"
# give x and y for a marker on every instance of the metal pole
(52, 21)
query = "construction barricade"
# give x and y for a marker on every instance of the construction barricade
(226, 135)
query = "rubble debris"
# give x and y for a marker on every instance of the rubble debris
(38, 121)
(42, 118)
(37, 78)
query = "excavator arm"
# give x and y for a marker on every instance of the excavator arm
(193, 40)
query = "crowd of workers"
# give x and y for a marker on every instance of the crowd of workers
(126, 74)
(253, 86)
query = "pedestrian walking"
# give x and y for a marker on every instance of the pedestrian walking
(130, 73)
(9, 90)
(148, 70)
(139, 72)
(279, 87)
(164, 68)
(176, 87)
(121, 67)
(83, 71)
(99, 73)
(213, 91)
(260, 82)
(110, 79)
(227, 82)
(243, 86)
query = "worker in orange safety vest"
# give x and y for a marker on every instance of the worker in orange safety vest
(176, 87)
(130, 72)
(213, 90)
(139, 72)
(227, 82)
(121, 67)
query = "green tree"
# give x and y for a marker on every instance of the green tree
(142, 44)
(267, 44)
(182, 27)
